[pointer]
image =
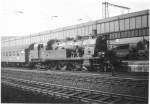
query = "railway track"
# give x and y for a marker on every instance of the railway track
(132, 87)
(79, 94)
(91, 78)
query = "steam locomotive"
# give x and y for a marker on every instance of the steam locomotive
(88, 53)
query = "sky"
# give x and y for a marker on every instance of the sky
(25, 17)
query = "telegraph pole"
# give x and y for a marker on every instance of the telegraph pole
(106, 10)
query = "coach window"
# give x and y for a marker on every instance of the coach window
(126, 24)
(122, 25)
(138, 22)
(132, 23)
(144, 21)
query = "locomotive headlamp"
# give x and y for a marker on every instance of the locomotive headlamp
(103, 53)
(22, 51)
(117, 40)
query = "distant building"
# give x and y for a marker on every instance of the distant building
(127, 28)
(7, 37)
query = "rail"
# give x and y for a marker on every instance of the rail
(84, 95)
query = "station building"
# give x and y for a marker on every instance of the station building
(126, 28)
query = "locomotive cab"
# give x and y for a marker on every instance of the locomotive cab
(89, 46)
(36, 51)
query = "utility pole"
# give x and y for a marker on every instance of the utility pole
(106, 9)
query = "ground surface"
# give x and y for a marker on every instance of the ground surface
(134, 84)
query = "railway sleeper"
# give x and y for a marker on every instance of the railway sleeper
(75, 94)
